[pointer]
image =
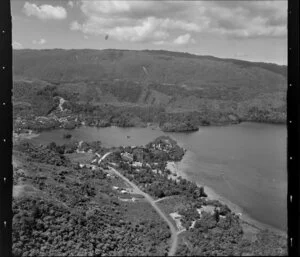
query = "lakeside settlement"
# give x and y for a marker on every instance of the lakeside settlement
(79, 176)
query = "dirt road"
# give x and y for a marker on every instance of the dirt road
(174, 235)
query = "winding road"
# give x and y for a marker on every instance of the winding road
(103, 157)
(174, 235)
(174, 232)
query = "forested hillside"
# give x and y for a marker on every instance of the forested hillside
(206, 89)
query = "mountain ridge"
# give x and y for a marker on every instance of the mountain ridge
(202, 90)
(274, 67)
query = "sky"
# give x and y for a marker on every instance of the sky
(246, 30)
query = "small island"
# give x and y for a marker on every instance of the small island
(67, 135)
(179, 127)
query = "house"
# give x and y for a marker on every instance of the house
(157, 171)
(89, 166)
(123, 191)
(137, 164)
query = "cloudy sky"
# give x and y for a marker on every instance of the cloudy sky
(249, 30)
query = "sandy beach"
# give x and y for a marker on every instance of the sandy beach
(177, 168)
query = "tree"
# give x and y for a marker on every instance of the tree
(52, 146)
(202, 193)
(216, 215)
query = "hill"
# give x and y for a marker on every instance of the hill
(206, 89)
(73, 65)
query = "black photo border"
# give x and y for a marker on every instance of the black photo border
(293, 123)
(6, 171)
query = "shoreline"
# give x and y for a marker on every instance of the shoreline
(23, 136)
(245, 218)
(213, 195)
(155, 126)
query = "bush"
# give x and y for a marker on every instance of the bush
(67, 136)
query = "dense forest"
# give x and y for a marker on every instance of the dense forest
(180, 91)
(62, 205)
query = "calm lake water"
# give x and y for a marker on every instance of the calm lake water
(244, 163)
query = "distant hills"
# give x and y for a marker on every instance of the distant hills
(68, 65)
(219, 90)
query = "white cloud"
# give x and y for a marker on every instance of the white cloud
(123, 29)
(41, 41)
(184, 39)
(76, 26)
(161, 42)
(143, 30)
(17, 45)
(245, 19)
(71, 4)
(45, 11)
(157, 21)
(179, 24)
(106, 7)
(134, 21)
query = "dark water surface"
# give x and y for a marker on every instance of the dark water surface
(244, 163)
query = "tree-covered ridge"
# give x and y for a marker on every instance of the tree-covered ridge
(37, 107)
(112, 62)
(211, 90)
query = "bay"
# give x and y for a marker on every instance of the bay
(244, 163)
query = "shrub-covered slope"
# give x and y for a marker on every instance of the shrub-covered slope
(215, 90)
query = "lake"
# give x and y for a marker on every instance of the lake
(244, 163)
